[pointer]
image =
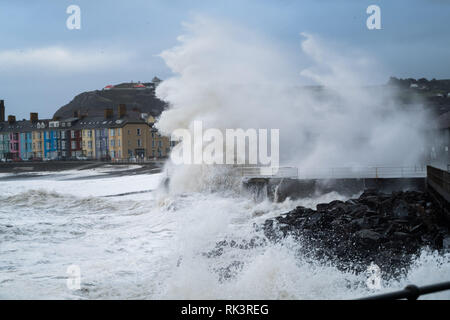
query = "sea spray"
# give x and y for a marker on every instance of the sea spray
(228, 77)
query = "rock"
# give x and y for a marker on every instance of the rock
(381, 228)
(401, 235)
(368, 234)
(446, 243)
(322, 207)
(416, 228)
(361, 222)
(400, 209)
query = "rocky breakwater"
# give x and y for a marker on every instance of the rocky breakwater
(385, 229)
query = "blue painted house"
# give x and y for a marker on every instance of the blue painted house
(101, 142)
(51, 141)
(26, 145)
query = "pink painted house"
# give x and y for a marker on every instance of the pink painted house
(14, 145)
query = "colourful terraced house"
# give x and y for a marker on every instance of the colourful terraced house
(52, 140)
(4, 145)
(38, 141)
(14, 145)
(26, 145)
(88, 143)
(117, 136)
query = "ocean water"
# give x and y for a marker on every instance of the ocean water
(155, 245)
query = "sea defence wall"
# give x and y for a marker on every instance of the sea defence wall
(278, 189)
(438, 184)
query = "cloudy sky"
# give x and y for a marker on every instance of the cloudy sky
(43, 65)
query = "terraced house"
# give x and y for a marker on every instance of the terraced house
(88, 142)
(70, 138)
(38, 139)
(4, 144)
(17, 140)
(117, 135)
(52, 144)
(26, 144)
(4, 136)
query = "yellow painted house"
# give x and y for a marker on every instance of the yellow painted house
(38, 139)
(88, 143)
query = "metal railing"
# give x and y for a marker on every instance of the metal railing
(364, 172)
(411, 292)
(272, 172)
(334, 173)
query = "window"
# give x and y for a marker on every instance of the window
(120, 153)
(113, 143)
(112, 132)
(139, 143)
(74, 145)
(90, 133)
(72, 133)
(118, 143)
(118, 132)
(153, 143)
(90, 144)
(138, 131)
(160, 143)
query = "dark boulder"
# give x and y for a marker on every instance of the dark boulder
(387, 229)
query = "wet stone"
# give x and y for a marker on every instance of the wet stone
(387, 229)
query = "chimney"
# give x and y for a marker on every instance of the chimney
(11, 119)
(2, 111)
(34, 117)
(122, 110)
(109, 113)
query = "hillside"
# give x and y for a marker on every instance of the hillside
(138, 97)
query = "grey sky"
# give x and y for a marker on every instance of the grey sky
(43, 65)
